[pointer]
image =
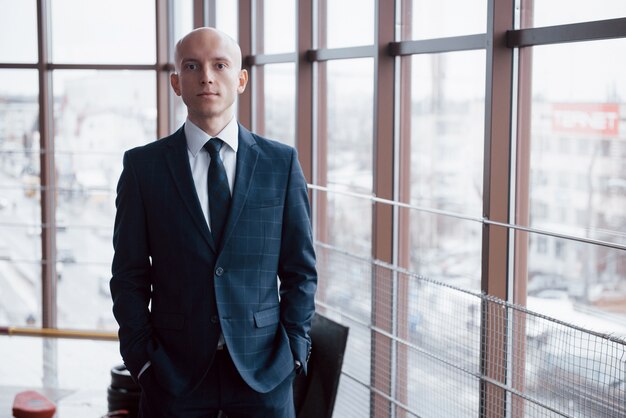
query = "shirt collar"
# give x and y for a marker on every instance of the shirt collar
(196, 137)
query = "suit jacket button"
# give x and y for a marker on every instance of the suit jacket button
(215, 319)
(219, 271)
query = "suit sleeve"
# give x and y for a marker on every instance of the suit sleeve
(130, 282)
(296, 269)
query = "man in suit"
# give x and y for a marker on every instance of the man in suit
(207, 219)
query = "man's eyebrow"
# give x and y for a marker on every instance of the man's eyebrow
(214, 59)
(222, 59)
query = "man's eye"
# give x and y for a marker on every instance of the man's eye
(192, 67)
(221, 66)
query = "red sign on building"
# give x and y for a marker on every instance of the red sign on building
(600, 119)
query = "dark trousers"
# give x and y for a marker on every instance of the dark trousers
(222, 389)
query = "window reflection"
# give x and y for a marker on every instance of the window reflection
(17, 23)
(446, 160)
(114, 31)
(92, 131)
(182, 19)
(183, 24)
(280, 102)
(559, 12)
(20, 210)
(447, 130)
(446, 249)
(578, 182)
(279, 17)
(438, 19)
(350, 23)
(349, 156)
(226, 17)
(579, 283)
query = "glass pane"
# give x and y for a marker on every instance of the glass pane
(280, 102)
(20, 210)
(115, 31)
(345, 286)
(183, 24)
(350, 23)
(226, 17)
(578, 149)
(446, 249)
(91, 135)
(349, 152)
(578, 185)
(558, 12)
(438, 19)
(447, 131)
(183, 21)
(18, 21)
(279, 24)
(578, 283)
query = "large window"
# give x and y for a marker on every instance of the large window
(446, 164)
(64, 126)
(20, 211)
(90, 133)
(578, 181)
(465, 161)
(122, 33)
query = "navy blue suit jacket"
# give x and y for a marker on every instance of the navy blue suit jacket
(174, 291)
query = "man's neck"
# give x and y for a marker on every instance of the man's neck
(212, 126)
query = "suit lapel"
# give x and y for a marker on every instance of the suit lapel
(178, 162)
(247, 155)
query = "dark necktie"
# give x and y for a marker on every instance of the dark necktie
(219, 192)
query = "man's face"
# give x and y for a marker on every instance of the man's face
(209, 76)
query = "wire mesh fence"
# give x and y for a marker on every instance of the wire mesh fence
(448, 352)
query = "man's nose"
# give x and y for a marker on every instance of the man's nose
(207, 76)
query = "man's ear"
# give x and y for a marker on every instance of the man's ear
(243, 81)
(175, 82)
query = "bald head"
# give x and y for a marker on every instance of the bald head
(210, 39)
(208, 77)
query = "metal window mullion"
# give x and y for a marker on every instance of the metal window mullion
(574, 32)
(47, 169)
(383, 306)
(99, 67)
(199, 13)
(211, 13)
(258, 71)
(521, 180)
(163, 40)
(304, 87)
(496, 192)
(48, 194)
(402, 132)
(244, 103)
(321, 122)
(263, 59)
(18, 66)
(352, 52)
(438, 45)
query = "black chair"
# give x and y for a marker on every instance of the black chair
(315, 393)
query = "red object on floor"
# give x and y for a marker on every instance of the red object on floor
(31, 404)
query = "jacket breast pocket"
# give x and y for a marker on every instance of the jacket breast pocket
(267, 317)
(167, 320)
